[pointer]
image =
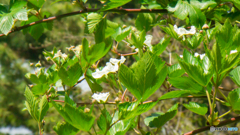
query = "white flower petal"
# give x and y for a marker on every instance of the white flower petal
(183, 31)
(111, 67)
(101, 97)
(148, 40)
(233, 51)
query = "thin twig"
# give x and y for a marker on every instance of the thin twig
(77, 83)
(122, 10)
(224, 89)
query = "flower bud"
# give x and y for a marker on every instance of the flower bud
(38, 64)
(31, 64)
(201, 31)
(48, 58)
(124, 26)
(205, 26)
(30, 85)
(86, 110)
(94, 101)
(117, 100)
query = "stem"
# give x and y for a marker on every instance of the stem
(225, 114)
(213, 103)
(124, 95)
(94, 130)
(222, 94)
(39, 126)
(122, 10)
(209, 101)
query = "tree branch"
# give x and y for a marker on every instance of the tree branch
(225, 122)
(88, 11)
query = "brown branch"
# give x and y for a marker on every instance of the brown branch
(113, 103)
(87, 11)
(224, 89)
(127, 54)
(225, 122)
(79, 81)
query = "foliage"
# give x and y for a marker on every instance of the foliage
(214, 28)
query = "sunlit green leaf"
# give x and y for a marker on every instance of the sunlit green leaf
(198, 108)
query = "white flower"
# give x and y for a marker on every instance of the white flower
(101, 97)
(148, 41)
(136, 50)
(196, 55)
(233, 51)
(64, 56)
(182, 31)
(70, 48)
(201, 55)
(116, 61)
(60, 54)
(111, 67)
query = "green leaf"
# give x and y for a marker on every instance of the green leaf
(185, 83)
(161, 46)
(93, 19)
(203, 4)
(32, 77)
(65, 128)
(121, 34)
(144, 21)
(100, 31)
(159, 119)
(75, 116)
(231, 61)
(235, 75)
(128, 79)
(31, 104)
(18, 4)
(104, 120)
(183, 8)
(121, 127)
(142, 80)
(36, 4)
(181, 93)
(6, 23)
(234, 99)
(198, 108)
(170, 31)
(72, 75)
(40, 89)
(130, 110)
(95, 87)
(194, 41)
(175, 71)
(43, 107)
(200, 71)
(114, 4)
(224, 37)
(20, 14)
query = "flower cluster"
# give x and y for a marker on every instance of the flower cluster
(111, 67)
(60, 54)
(202, 55)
